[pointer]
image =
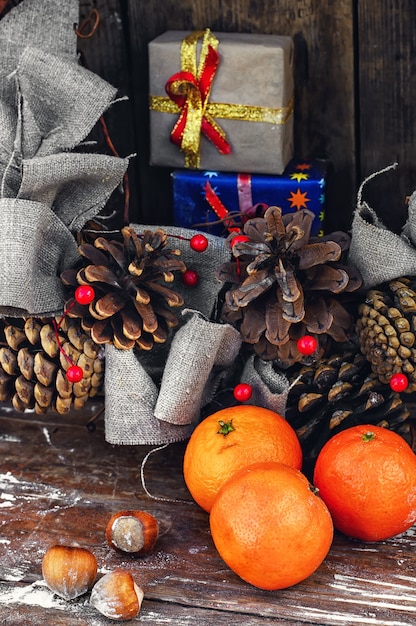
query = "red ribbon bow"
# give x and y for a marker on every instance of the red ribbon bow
(189, 89)
(247, 208)
(219, 209)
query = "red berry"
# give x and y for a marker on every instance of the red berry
(74, 373)
(243, 392)
(399, 382)
(307, 345)
(190, 278)
(239, 239)
(84, 294)
(199, 243)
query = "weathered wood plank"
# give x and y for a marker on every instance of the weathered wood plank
(387, 94)
(60, 483)
(105, 53)
(24, 604)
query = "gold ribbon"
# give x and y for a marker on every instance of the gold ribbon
(189, 90)
(229, 111)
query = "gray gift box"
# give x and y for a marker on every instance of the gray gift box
(253, 84)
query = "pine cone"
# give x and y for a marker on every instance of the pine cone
(285, 284)
(386, 329)
(132, 308)
(32, 366)
(338, 392)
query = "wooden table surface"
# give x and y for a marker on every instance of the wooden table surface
(59, 483)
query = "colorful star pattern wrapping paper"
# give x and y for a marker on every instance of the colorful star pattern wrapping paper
(201, 199)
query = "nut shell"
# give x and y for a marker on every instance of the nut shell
(132, 532)
(117, 596)
(69, 571)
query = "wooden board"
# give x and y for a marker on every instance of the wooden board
(386, 96)
(103, 49)
(60, 483)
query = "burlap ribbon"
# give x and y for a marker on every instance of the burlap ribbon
(155, 398)
(48, 106)
(270, 386)
(137, 411)
(378, 253)
(205, 351)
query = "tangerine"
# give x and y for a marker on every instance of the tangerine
(366, 475)
(269, 525)
(230, 439)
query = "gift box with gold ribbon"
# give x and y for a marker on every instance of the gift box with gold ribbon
(217, 202)
(221, 101)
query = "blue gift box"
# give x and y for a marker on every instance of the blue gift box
(201, 197)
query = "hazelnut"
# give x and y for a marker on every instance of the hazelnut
(132, 532)
(117, 596)
(69, 571)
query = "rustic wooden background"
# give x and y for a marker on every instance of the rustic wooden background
(355, 92)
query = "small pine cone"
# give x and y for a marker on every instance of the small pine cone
(282, 285)
(386, 328)
(132, 305)
(32, 365)
(338, 392)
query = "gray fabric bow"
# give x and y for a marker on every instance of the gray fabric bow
(138, 411)
(270, 387)
(48, 106)
(155, 398)
(378, 253)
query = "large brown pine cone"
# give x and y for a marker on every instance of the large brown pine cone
(282, 284)
(337, 392)
(132, 305)
(386, 328)
(32, 366)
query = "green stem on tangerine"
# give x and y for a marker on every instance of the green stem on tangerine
(369, 436)
(226, 428)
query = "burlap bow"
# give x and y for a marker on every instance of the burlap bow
(155, 398)
(138, 411)
(270, 387)
(380, 254)
(48, 106)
